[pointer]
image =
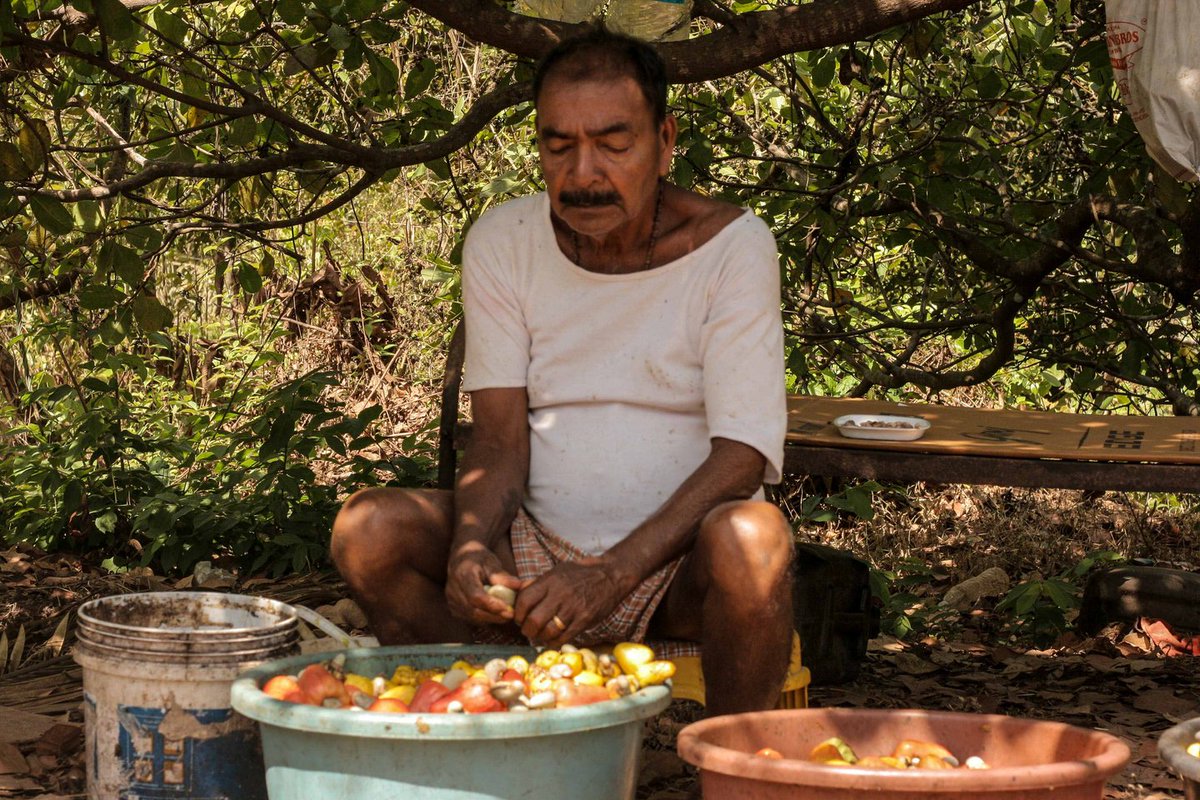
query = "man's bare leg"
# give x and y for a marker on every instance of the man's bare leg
(391, 546)
(733, 594)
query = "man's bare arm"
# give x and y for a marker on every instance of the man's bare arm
(488, 492)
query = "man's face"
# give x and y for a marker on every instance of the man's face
(601, 152)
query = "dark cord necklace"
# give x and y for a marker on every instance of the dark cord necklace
(653, 234)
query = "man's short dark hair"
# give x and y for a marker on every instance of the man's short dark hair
(603, 54)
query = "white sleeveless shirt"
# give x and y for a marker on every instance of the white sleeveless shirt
(629, 376)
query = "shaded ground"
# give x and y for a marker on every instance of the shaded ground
(1090, 684)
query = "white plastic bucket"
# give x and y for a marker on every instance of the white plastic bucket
(157, 668)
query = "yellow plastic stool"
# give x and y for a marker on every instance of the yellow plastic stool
(688, 683)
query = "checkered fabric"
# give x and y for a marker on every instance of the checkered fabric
(537, 550)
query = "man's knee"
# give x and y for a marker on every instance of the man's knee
(374, 522)
(747, 540)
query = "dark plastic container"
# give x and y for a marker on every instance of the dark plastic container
(834, 613)
(1125, 593)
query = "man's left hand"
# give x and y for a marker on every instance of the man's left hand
(566, 601)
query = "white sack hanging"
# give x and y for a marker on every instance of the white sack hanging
(1154, 46)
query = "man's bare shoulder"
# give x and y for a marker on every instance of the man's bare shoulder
(694, 219)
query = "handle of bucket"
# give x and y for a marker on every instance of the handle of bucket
(346, 640)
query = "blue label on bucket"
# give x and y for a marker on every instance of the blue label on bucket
(220, 763)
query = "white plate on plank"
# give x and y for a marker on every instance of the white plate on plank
(883, 427)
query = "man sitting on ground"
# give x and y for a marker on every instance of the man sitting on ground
(625, 365)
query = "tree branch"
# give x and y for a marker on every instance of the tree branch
(50, 287)
(1003, 321)
(756, 38)
(373, 160)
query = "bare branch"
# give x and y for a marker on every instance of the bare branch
(1004, 323)
(373, 160)
(39, 290)
(107, 127)
(755, 39)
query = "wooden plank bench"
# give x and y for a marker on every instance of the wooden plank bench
(1099, 452)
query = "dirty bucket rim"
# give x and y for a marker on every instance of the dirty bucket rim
(285, 611)
(248, 699)
(185, 657)
(1172, 749)
(159, 634)
(175, 644)
(727, 761)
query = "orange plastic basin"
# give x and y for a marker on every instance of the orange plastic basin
(1028, 758)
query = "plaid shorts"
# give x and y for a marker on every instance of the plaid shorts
(537, 550)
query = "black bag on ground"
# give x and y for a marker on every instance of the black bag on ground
(834, 612)
(1125, 593)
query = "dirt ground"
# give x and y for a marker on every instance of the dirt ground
(1093, 683)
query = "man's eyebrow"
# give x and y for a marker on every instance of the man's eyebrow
(616, 127)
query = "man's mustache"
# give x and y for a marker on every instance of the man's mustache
(584, 199)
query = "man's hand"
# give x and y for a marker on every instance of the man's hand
(469, 575)
(564, 602)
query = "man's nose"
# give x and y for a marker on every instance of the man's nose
(585, 165)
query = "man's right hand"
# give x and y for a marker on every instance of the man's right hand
(469, 575)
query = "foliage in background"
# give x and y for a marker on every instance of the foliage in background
(1036, 610)
(208, 209)
(1041, 609)
(174, 486)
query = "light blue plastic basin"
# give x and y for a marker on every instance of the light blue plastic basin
(585, 753)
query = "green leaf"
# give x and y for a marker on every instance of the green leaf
(1059, 594)
(418, 80)
(115, 19)
(72, 495)
(33, 140)
(338, 37)
(502, 185)
(241, 131)
(107, 522)
(52, 215)
(290, 11)
(248, 278)
(64, 93)
(1027, 599)
(169, 26)
(354, 55)
(281, 432)
(146, 238)
(361, 9)
(90, 215)
(98, 297)
(822, 73)
(859, 502)
(112, 566)
(439, 168)
(384, 74)
(117, 259)
(250, 21)
(151, 315)
(13, 166)
(380, 32)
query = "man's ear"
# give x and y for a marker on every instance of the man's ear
(668, 132)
